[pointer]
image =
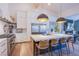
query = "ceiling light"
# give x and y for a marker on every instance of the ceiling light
(61, 20)
(42, 18)
(49, 4)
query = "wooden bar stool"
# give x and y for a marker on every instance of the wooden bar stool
(43, 45)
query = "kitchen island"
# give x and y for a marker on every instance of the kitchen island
(37, 38)
(40, 37)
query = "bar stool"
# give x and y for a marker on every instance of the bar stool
(54, 44)
(70, 40)
(43, 45)
(62, 42)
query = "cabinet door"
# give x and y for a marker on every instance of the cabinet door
(3, 47)
(21, 19)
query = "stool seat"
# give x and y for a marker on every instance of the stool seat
(42, 45)
(54, 43)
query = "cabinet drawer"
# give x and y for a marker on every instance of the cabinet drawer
(3, 43)
(3, 53)
(3, 48)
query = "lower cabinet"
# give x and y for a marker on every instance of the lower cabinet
(3, 47)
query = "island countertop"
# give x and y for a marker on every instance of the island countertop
(40, 37)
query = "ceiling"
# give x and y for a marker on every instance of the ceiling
(60, 9)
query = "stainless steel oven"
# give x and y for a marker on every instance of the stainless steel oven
(11, 43)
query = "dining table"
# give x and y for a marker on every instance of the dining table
(40, 37)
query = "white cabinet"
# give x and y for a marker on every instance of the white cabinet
(21, 37)
(3, 47)
(21, 19)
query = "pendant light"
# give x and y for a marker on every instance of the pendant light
(42, 18)
(60, 19)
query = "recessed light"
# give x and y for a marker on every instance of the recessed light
(49, 4)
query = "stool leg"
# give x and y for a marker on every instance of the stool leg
(73, 46)
(49, 51)
(60, 50)
(66, 49)
(38, 51)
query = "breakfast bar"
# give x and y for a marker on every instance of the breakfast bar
(37, 38)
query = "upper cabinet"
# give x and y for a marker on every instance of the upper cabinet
(76, 25)
(69, 26)
(21, 19)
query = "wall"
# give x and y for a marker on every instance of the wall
(74, 10)
(4, 11)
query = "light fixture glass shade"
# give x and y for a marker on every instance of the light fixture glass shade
(61, 20)
(42, 18)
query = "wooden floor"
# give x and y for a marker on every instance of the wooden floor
(23, 49)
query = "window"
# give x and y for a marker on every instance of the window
(35, 28)
(38, 28)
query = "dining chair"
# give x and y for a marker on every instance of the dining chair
(63, 43)
(43, 45)
(54, 45)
